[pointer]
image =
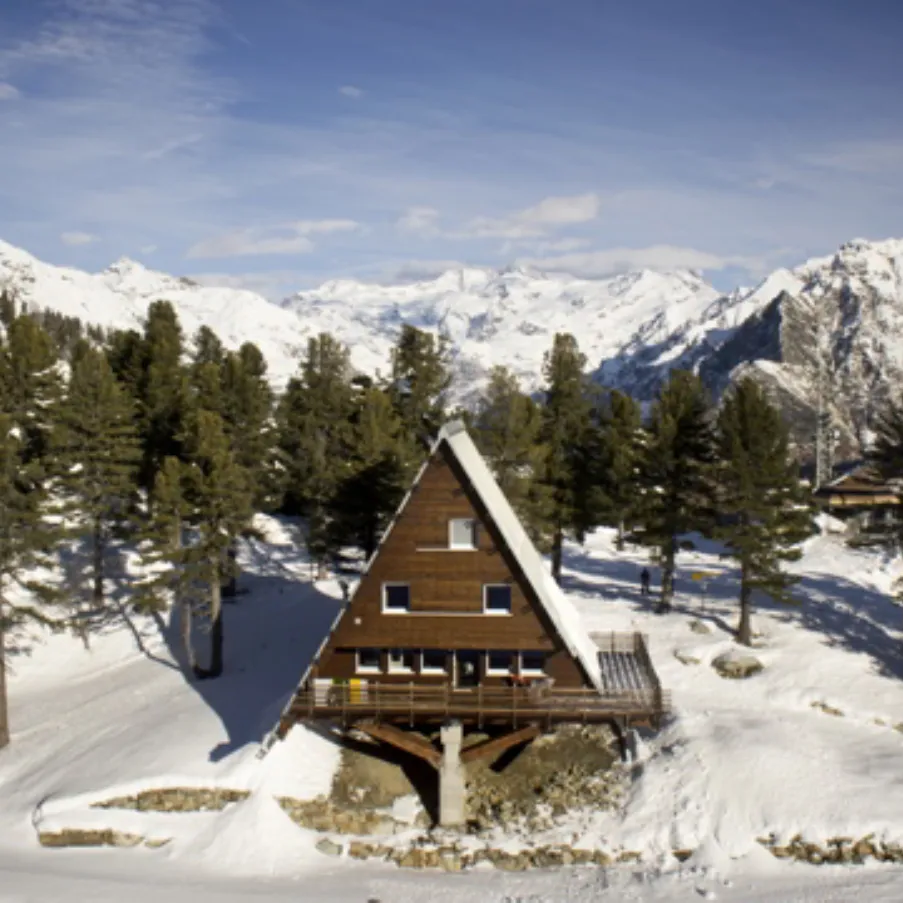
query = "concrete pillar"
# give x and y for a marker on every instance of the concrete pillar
(451, 777)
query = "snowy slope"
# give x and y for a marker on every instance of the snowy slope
(120, 295)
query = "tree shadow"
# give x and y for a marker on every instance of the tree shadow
(272, 632)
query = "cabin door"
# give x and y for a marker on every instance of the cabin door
(467, 668)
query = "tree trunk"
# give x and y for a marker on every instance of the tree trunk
(619, 541)
(216, 626)
(744, 628)
(4, 710)
(98, 563)
(667, 591)
(557, 553)
(230, 590)
(186, 619)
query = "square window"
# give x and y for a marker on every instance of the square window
(497, 599)
(369, 661)
(499, 662)
(532, 662)
(462, 533)
(401, 661)
(396, 597)
(433, 661)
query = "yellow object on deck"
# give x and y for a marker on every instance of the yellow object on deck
(702, 575)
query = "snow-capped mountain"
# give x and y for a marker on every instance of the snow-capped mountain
(632, 328)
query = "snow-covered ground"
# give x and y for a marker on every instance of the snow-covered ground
(739, 760)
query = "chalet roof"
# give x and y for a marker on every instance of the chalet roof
(558, 607)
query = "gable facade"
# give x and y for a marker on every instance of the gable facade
(440, 603)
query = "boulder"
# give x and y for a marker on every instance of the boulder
(736, 665)
(686, 658)
(329, 847)
(698, 626)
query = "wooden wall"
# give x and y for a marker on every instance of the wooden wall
(446, 588)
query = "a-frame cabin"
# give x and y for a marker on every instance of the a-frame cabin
(456, 616)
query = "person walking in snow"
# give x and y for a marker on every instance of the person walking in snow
(644, 582)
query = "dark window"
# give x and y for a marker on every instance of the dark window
(497, 598)
(532, 662)
(499, 662)
(434, 660)
(396, 597)
(369, 660)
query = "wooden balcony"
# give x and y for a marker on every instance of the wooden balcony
(631, 694)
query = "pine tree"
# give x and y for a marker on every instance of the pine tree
(764, 510)
(622, 430)
(314, 424)
(378, 474)
(25, 538)
(566, 421)
(162, 390)
(219, 509)
(206, 371)
(506, 429)
(31, 389)
(126, 353)
(98, 454)
(164, 558)
(420, 378)
(675, 486)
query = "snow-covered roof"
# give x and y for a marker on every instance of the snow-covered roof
(558, 607)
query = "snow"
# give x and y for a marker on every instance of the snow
(738, 760)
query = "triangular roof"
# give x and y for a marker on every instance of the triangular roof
(560, 610)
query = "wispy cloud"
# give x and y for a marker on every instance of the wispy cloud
(351, 91)
(548, 215)
(286, 238)
(9, 92)
(148, 249)
(74, 239)
(421, 220)
(609, 261)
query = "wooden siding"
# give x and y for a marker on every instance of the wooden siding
(446, 590)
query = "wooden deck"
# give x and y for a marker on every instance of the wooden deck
(631, 694)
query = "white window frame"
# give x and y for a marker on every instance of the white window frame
(426, 669)
(497, 612)
(474, 539)
(399, 669)
(529, 671)
(395, 611)
(513, 662)
(367, 669)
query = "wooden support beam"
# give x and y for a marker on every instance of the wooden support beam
(405, 740)
(498, 745)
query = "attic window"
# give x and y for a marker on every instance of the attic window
(462, 533)
(497, 599)
(396, 597)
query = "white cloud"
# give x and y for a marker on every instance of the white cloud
(592, 264)
(286, 238)
(272, 284)
(548, 215)
(148, 249)
(8, 91)
(74, 239)
(351, 91)
(418, 219)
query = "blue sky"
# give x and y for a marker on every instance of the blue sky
(279, 143)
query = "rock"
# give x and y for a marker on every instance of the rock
(827, 709)
(329, 847)
(154, 843)
(121, 839)
(450, 862)
(359, 850)
(736, 665)
(176, 799)
(698, 626)
(600, 857)
(681, 855)
(629, 856)
(686, 658)
(78, 837)
(899, 727)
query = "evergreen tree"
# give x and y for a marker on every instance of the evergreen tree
(126, 354)
(622, 431)
(314, 424)
(31, 389)
(162, 389)
(675, 486)
(506, 428)
(98, 454)
(206, 371)
(25, 538)
(566, 422)
(378, 474)
(218, 509)
(420, 378)
(764, 511)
